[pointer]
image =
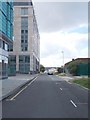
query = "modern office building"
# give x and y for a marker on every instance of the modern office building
(25, 57)
(6, 35)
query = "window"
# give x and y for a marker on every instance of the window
(26, 31)
(24, 23)
(6, 46)
(3, 24)
(4, 8)
(10, 47)
(24, 59)
(24, 11)
(3, 45)
(22, 48)
(25, 41)
(23, 3)
(11, 31)
(12, 58)
(9, 11)
(22, 31)
(21, 59)
(0, 20)
(27, 59)
(25, 48)
(8, 29)
(22, 41)
(22, 37)
(0, 43)
(24, 63)
(12, 15)
(26, 37)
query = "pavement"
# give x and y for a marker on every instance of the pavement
(13, 83)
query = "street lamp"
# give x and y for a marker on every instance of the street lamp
(63, 60)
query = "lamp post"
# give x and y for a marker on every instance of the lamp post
(63, 60)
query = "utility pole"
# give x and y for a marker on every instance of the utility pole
(63, 60)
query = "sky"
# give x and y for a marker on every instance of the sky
(63, 26)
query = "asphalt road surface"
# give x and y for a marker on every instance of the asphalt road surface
(48, 96)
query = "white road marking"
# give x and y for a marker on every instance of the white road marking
(9, 99)
(73, 103)
(64, 88)
(13, 98)
(60, 88)
(32, 81)
(58, 83)
(18, 93)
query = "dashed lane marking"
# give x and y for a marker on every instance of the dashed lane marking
(60, 88)
(73, 103)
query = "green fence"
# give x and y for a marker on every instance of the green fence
(83, 69)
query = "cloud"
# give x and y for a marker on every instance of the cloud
(73, 44)
(63, 26)
(56, 16)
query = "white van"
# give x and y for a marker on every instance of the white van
(50, 72)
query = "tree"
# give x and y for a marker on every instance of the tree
(42, 68)
(60, 70)
(73, 66)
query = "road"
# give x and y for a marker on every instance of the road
(48, 96)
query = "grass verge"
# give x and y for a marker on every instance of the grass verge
(61, 74)
(83, 82)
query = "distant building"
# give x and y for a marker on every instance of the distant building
(53, 69)
(82, 68)
(25, 56)
(85, 60)
(6, 35)
(47, 68)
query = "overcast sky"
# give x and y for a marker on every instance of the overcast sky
(63, 26)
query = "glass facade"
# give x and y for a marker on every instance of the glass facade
(3, 66)
(3, 45)
(24, 63)
(12, 65)
(35, 65)
(6, 15)
(6, 35)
